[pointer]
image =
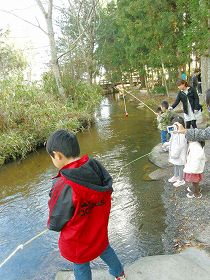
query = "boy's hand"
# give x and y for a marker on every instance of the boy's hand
(180, 128)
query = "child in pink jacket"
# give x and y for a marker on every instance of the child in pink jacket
(193, 170)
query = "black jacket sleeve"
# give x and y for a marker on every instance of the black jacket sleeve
(61, 207)
(196, 99)
(176, 101)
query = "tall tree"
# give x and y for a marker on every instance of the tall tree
(77, 44)
(158, 36)
(111, 45)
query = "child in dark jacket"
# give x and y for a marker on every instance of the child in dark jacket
(79, 207)
(164, 119)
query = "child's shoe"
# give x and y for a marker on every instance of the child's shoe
(165, 148)
(122, 277)
(198, 196)
(189, 189)
(173, 179)
(179, 183)
(191, 195)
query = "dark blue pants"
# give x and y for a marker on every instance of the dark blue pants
(164, 136)
(83, 271)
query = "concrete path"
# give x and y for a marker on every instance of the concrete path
(191, 264)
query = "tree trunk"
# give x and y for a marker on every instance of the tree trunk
(54, 60)
(189, 69)
(205, 68)
(205, 72)
(143, 81)
(164, 78)
(51, 37)
(146, 81)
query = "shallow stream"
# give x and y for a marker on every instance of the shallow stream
(137, 217)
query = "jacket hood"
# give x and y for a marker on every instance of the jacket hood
(89, 173)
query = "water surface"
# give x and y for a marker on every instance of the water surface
(137, 217)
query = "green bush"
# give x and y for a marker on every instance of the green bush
(28, 115)
(80, 95)
(49, 83)
(159, 90)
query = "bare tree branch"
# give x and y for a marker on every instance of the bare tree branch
(39, 26)
(26, 8)
(31, 23)
(73, 46)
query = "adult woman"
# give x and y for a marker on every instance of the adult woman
(190, 101)
(197, 134)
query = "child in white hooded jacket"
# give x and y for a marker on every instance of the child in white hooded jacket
(177, 154)
(194, 167)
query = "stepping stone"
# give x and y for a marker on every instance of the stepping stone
(191, 264)
(96, 274)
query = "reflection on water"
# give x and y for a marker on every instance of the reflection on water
(137, 217)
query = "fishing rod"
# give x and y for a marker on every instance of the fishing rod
(141, 102)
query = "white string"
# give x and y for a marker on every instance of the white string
(21, 246)
(129, 164)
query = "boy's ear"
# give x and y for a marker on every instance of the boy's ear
(57, 155)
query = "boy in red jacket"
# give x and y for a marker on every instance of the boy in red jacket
(79, 207)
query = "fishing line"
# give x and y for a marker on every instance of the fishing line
(127, 165)
(21, 246)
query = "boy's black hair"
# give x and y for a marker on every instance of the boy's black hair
(65, 142)
(165, 104)
(158, 110)
(179, 120)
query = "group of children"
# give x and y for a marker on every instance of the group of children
(188, 158)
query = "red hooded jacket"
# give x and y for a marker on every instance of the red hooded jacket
(79, 207)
